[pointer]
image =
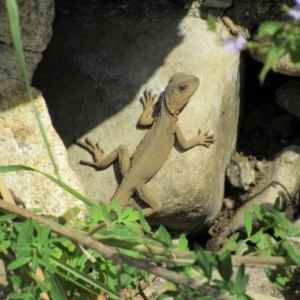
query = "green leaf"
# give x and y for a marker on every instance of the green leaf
(241, 280)
(164, 235)
(211, 22)
(248, 222)
(241, 248)
(269, 28)
(130, 215)
(128, 275)
(35, 262)
(19, 263)
(117, 207)
(71, 213)
(57, 291)
(25, 237)
(8, 217)
(273, 55)
(256, 237)
(105, 211)
(119, 232)
(182, 243)
(293, 251)
(144, 223)
(202, 261)
(168, 294)
(45, 233)
(96, 213)
(224, 265)
(266, 241)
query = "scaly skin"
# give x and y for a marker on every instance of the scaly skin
(157, 144)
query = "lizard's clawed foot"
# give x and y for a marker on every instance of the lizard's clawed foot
(94, 149)
(204, 139)
(148, 99)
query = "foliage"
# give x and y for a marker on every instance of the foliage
(273, 39)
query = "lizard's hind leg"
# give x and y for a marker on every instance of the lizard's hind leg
(101, 161)
(147, 196)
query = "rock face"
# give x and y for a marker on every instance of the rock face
(190, 184)
(20, 140)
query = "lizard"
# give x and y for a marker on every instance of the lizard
(155, 147)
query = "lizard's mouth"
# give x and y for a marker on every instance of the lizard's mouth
(173, 108)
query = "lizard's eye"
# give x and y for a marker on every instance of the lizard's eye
(182, 87)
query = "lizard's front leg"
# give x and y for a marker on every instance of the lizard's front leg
(101, 161)
(148, 100)
(203, 139)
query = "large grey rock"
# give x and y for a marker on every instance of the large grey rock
(190, 184)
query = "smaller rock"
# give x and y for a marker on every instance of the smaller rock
(284, 64)
(288, 97)
(229, 203)
(240, 172)
(283, 182)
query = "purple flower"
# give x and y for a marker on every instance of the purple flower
(295, 11)
(232, 45)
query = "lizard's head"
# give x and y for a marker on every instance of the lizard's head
(179, 91)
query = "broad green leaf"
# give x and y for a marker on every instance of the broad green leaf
(128, 275)
(168, 295)
(269, 28)
(182, 243)
(119, 232)
(164, 235)
(57, 292)
(241, 280)
(202, 261)
(266, 241)
(8, 217)
(276, 205)
(14, 168)
(293, 251)
(22, 296)
(19, 263)
(241, 248)
(5, 244)
(97, 213)
(211, 22)
(25, 237)
(105, 211)
(45, 233)
(256, 237)
(273, 55)
(16, 280)
(71, 213)
(248, 222)
(130, 215)
(224, 265)
(144, 223)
